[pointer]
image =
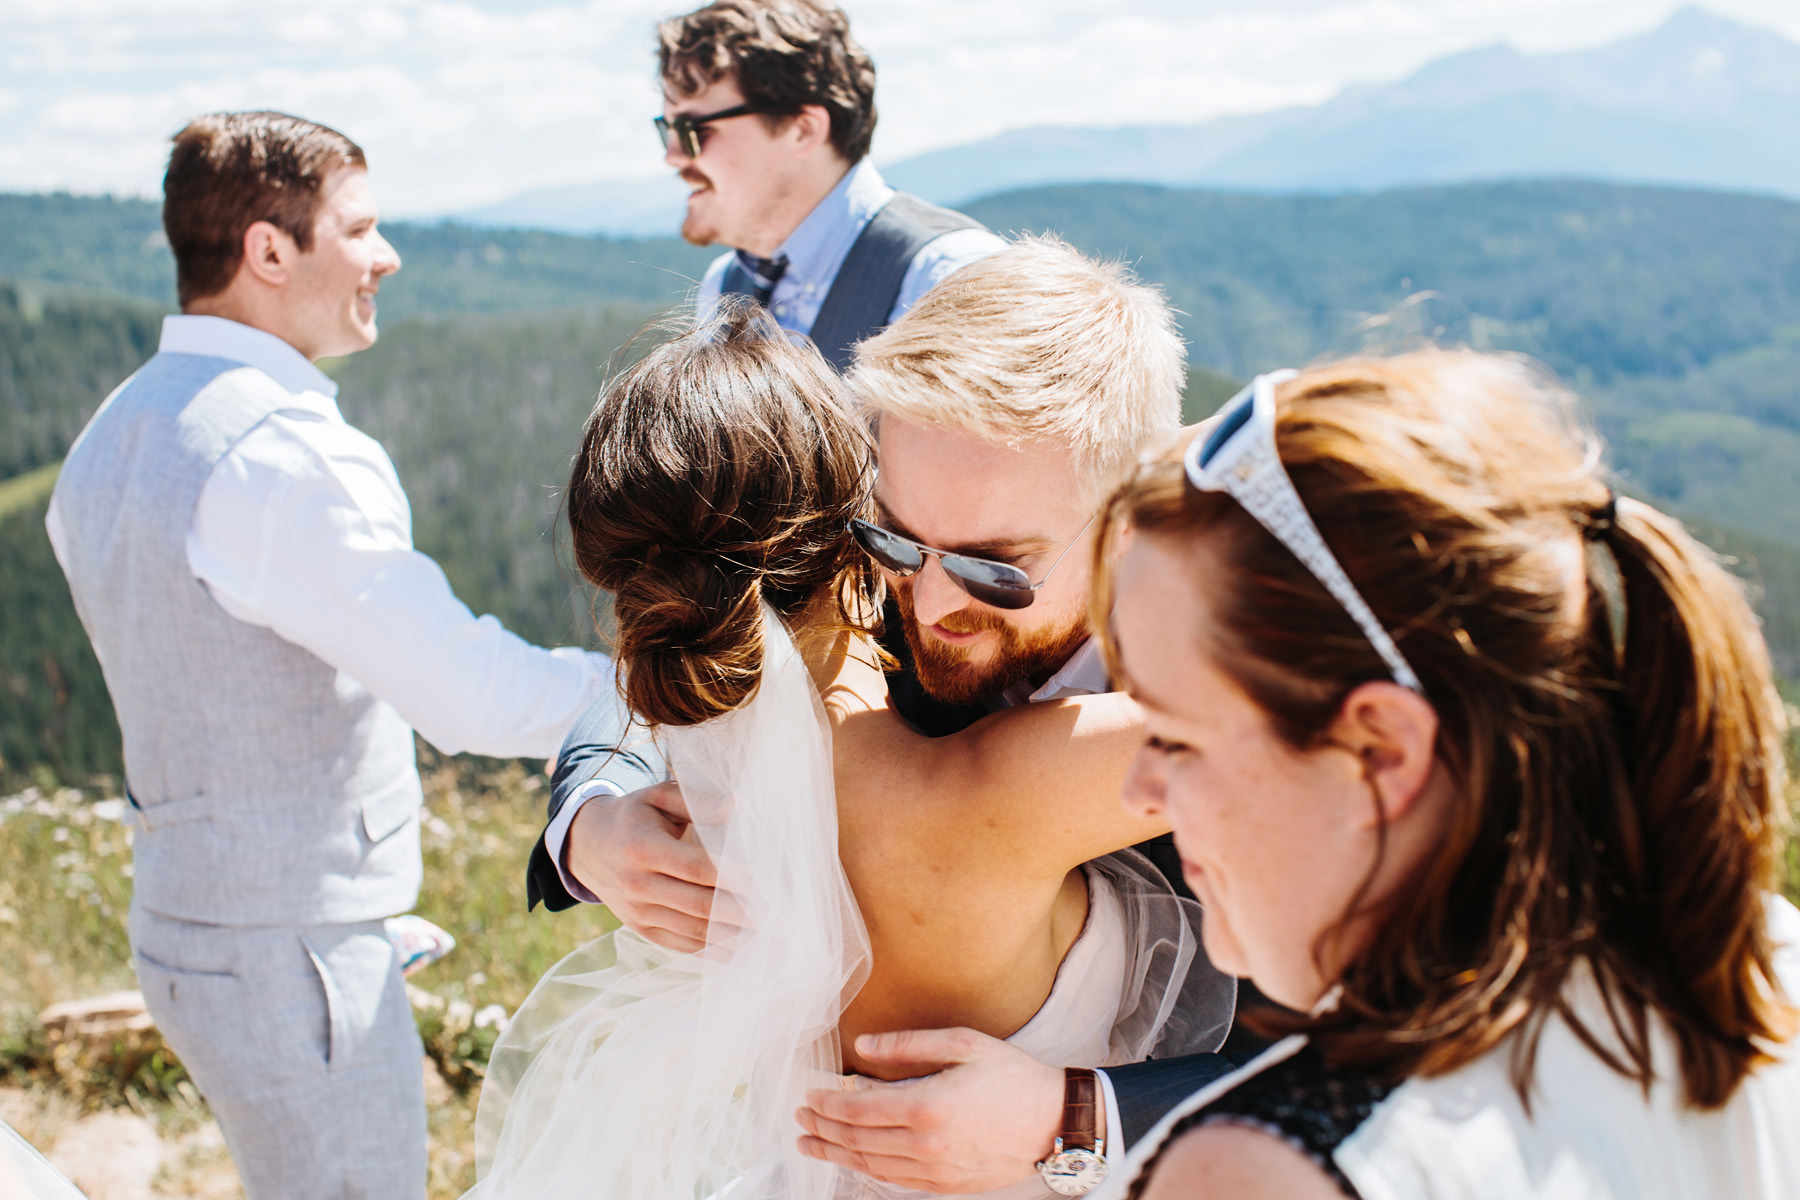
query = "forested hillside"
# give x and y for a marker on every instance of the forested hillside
(481, 416)
(100, 245)
(59, 356)
(1602, 282)
(1675, 313)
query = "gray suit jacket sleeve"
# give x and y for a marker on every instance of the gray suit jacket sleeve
(605, 743)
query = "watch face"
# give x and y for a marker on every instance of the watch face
(1073, 1172)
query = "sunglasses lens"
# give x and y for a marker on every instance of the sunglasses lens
(888, 551)
(1239, 413)
(998, 584)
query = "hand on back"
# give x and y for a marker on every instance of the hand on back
(982, 1121)
(629, 851)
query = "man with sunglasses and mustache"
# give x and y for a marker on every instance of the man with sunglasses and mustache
(768, 111)
(1004, 405)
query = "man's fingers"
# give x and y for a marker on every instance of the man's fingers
(666, 927)
(870, 1107)
(672, 857)
(670, 930)
(889, 1141)
(664, 891)
(903, 1171)
(667, 798)
(670, 941)
(934, 1048)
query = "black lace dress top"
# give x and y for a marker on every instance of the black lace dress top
(1299, 1100)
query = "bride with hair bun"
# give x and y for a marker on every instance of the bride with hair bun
(711, 498)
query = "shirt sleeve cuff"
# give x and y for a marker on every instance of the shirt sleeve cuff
(1115, 1125)
(557, 832)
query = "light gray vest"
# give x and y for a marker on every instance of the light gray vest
(270, 788)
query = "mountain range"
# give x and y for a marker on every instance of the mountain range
(1700, 101)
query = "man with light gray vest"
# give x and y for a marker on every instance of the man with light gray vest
(768, 112)
(242, 560)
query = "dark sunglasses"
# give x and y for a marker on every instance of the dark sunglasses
(686, 129)
(999, 584)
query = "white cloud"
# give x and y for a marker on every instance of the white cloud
(460, 102)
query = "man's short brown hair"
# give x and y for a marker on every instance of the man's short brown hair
(785, 54)
(231, 170)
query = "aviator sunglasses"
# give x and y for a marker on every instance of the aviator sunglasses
(998, 584)
(686, 130)
(1239, 458)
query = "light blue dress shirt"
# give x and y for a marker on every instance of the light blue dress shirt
(818, 246)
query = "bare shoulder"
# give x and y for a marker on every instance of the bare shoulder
(1238, 1161)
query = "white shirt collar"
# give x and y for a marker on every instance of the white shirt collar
(1083, 675)
(217, 337)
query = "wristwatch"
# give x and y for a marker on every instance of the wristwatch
(1077, 1159)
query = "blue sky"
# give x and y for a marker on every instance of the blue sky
(461, 102)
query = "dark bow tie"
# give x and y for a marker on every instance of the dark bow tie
(765, 272)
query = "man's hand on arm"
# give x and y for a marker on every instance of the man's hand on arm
(628, 851)
(983, 1121)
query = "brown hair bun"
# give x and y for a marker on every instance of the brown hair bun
(719, 471)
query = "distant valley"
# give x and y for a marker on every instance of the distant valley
(1675, 313)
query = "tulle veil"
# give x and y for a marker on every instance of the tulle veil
(636, 1073)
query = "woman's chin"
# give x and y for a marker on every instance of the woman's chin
(1223, 949)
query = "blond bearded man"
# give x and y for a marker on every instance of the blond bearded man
(1004, 405)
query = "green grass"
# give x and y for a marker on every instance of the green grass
(24, 491)
(65, 886)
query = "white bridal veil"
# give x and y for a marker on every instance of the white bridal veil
(636, 1073)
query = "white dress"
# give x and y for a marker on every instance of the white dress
(27, 1175)
(635, 1073)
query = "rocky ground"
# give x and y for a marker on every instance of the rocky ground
(118, 1154)
(172, 1152)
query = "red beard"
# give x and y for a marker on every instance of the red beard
(947, 673)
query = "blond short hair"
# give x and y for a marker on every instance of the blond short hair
(1037, 343)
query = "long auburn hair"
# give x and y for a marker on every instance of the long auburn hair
(1606, 713)
(718, 472)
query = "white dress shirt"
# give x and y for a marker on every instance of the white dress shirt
(303, 528)
(820, 243)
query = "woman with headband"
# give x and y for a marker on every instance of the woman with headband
(1479, 768)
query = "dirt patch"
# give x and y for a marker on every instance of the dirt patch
(118, 1154)
(110, 1155)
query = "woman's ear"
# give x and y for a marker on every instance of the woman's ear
(1392, 730)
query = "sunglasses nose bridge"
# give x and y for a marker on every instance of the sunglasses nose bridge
(936, 593)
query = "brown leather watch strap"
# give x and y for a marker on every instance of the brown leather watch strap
(1081, 1104)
